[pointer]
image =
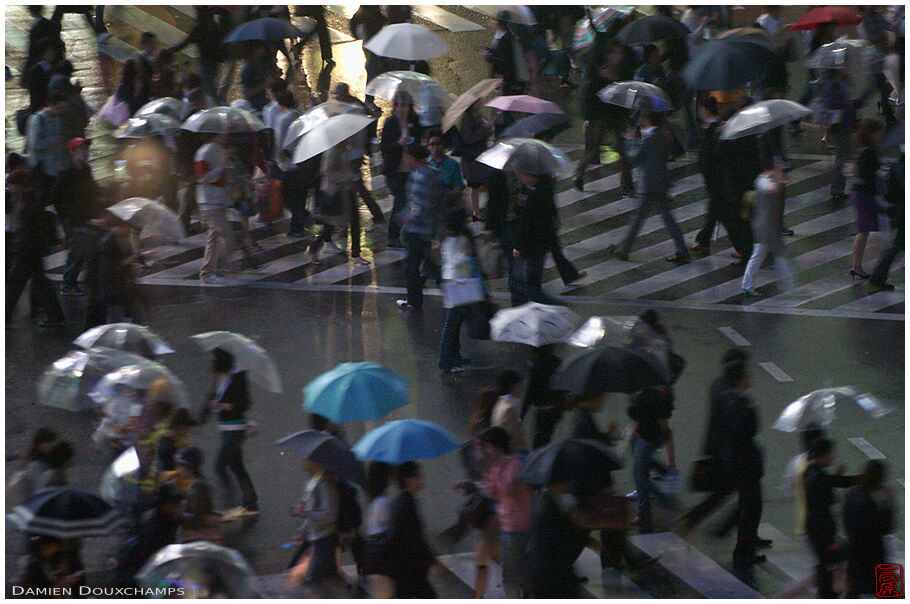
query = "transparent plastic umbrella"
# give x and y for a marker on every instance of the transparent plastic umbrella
(120, 482)
(150, 217)
(822, 407)
(169, 106)
(526, 155)
(67, 382)
(130, 337)
(223, 120)
(248, 356)
(407, 41)
(330, 133)
(635, 95)
(430, 98)
(110, 389)
(153, 124)
(202, 569)
(520, 14)
(763, 117)
(533, 324)
(315, 116)
(602, 330)
(859, 59)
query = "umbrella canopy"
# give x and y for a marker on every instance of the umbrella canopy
(223, 120)
(150, 217)
(169, 106)
(610, 369)
(203, 569)
(573, 460)
(602, 330)
(840, 16)
(533, 324)
(526, 155)
(330, 133)
(533, 125)
(65, 513)
(651, 29)
(856, 56)
(135, 380)
(430, 98)
(584, 35)
(405, 440)
(822, 407)
(762, 117)
(519, 14)
(523, 103)
(636, 95)
(130, 337)
(269, 29)
(67, 382)
(408, 42)
(314, 117)
(473, 94)
(356, 391)
(326, 450)
(120, 482)
(745, 31)
(248, 355)
(728, 63)
(152, 124)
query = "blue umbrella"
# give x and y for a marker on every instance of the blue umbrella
(352, 391)
(267, 29)
(405, 440)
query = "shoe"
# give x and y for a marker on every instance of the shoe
(787, 233)
(243, 512)
(566, 84)
(214, 281)
(763, 544)
(680, 259)
(74, 290)
(579, 184)
(859, 274)
(627, 192)
(752, 293)
(403, 305)
(736, 255)
(881, 286)
(330, 63)
(360, 261)
(698, 248)
(581, 275)
(758, 559)
(103, 37)
(453, 369)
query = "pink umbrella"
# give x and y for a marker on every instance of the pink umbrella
(522, 103)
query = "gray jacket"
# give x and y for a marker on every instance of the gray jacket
(649, 155)
(321, 510)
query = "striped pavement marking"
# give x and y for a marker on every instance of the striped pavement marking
(876, 301)
(817, 289)
(776, 372)
(144, 21)
(445, 19)
(734, 336)
(866, 448)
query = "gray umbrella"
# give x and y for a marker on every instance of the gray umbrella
(326, 450)
(223, 120)
(526, 155)
(635, 95)
(67, 382)
(762, 117)
(202, 570)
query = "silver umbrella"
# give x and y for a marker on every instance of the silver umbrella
(150, 217)
(168, 105)
(153, 124)
(762, 117)
(822, 407)
(408, 42)
(144, 382)
(636, 95)
(67, 382)
(223, 120)
(527, 155)
(315, 116)
(328, 134)
(533, 324)
(430, 98)
(137, 339)
(602, 330)
(202, 569)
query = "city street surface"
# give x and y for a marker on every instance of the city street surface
(830, 331)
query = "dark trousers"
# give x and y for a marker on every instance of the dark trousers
(749, 509)
(414, 587)
(824, 578)
(450, 343)
(322, 32)
(595, 133)
(396, 183)
(525, 277)
(74, 258)
(614, 548)
(880, 274)
(230, 457)
(294, 189)
(701, 511)
(545, 421)
(328, 230)
(567, 271)
(418, 250)
(361, 190)
(97, 24)
(29, 265)
(722, 210)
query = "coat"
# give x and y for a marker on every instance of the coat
(412, 554)
(553, 542)
(536, 220)
(740, 454)
(392, 152)
(502, 59)
(236, 394)
(820, 498)
(321, 510)
(710, 160)
(649, 154)
(866, 522)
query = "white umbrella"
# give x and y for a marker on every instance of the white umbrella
(822, 407)
(223, 120)
(202, 570)
(137, 339)
(248, 355)
(527, 155)
(328, 134)
(606, 330)
(762, 117)
(634, 95)
(148, 125)
(167, 105)
(519, 14)
(151, 217)
(134, 381)
(533, 324)
(408, 42)
(314, 117)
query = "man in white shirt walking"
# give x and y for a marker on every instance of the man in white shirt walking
(210, 163)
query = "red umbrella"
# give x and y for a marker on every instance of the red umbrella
(841, 16)
(524, 103)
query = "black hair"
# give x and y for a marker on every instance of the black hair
(436, 132)
(457, 222)
(735, 372)
(710, 104)
(13, 161)
(318, 422)
(278, 84)
(197, 95)
(649, 50)
(873, 475)
(810, 434)
(506, 380)
(55, 97)
(222, 361)
(378, 474)
(191, 80)
(146, 36)
(285, 98)
(497, 437)
(59, 454)
(735, 354)
(408, 469)
(821, 447)
(42, 436)
(418, 151)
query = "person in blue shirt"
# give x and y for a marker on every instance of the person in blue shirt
(450, 168)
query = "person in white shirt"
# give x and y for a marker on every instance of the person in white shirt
(507, 410)
(293, 186)
(210, 163)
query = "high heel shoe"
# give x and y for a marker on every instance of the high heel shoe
(858, 274)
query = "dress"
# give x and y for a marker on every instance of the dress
(863, 195)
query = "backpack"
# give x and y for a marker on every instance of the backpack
(350, 516)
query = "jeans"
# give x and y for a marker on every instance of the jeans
(328, 230)
(595, 133)
(230, 457)
(663, 206)
(450, 344)
(418, 250)
(567, 271)
(74, 259)
(525, 276)
(29, 264)
(512, 549)
(783, 265)
(396, 183)
(208, 70)
(642, 451)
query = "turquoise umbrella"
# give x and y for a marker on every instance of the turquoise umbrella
(405, 440)
(355, 391)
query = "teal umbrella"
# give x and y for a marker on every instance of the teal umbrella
(355, 391)
(405, 440)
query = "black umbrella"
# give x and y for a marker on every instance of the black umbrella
(268, 29)
(610, 369)
(326, 450)
(728, 63)
(65, 513)
(531, 126)
(650, 29)
(574, 460)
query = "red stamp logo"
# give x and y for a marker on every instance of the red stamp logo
(889, 581)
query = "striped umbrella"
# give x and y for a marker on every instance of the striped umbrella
(583, 38)
(65, 513)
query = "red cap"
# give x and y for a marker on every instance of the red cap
(75, 142)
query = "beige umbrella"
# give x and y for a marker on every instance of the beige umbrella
(468, 98)
(150, 216)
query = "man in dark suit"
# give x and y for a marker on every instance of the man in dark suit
(501, 55)
(41, 29)
(412, 557)
(39, 75)
(535, 235)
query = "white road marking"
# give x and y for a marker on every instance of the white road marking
(444, 18)
(143, 21)
(776, 372)
(734, 336)
(868, 450)
(900, 481)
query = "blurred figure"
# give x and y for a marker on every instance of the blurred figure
(868, 516)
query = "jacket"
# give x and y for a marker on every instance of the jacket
(321, 504)
(76, 194)
(426, 198)
(766, 216)
(391, 151)
(237, 395)
(649, 154)
(536, 219)
(709, 156)
(866, 521)
(867, 165)
(712, 446)
(820, 498)
(741, 455)
(553, 546)
(45, 145)
(412, 554)
(502, 58)
(211, 177)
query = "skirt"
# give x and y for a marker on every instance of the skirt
(866, 212)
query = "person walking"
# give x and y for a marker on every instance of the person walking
(535, 236)
(868, 516)
(648, 150)
(651, 410)
(211, 169)
(554, 543)
(379, 517)
(207, 35)
(411, 557)
(451, 170)
(864, 194)
(473, 136)
(198, 521)
(337, 206)
(400, 130)
(506, 412)
(230, 400)
(767, 231)
(44, 143)
(547, 403)
(840, 110)
(293, 187)
(894, 195)
(501, 55)
(422, 217)
(39, 74)
(366, 23)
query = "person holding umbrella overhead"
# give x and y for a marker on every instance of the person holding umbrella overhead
(535, 209)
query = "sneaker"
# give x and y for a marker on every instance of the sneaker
(243, 512)
(73, 290)
(581, 275)
(787, 233)
(403, 305)
(453, 369)
(679, 259)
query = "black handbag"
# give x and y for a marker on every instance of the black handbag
(378, 553)
(708, 475)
